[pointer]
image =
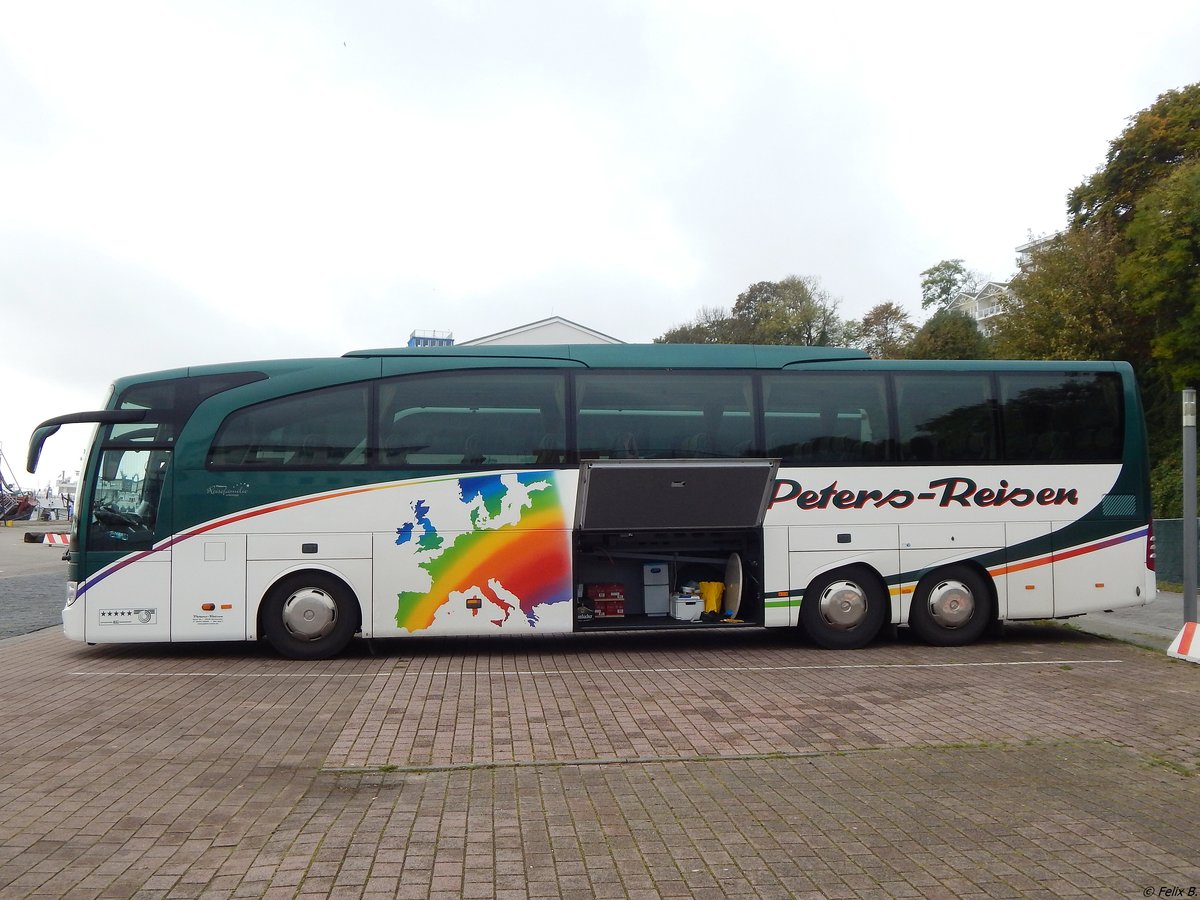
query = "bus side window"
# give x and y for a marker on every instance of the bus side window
(1061, 417)
(474, 418)
(945, 417)
(664, 414)
(316, 429)
(826, 417)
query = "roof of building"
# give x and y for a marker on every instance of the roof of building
(552, 330)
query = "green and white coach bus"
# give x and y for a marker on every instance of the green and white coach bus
(467, 490)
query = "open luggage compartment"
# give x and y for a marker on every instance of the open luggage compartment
(647, 528)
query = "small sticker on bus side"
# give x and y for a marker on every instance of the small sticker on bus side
(128, 616)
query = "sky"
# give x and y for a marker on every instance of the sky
(189, 183)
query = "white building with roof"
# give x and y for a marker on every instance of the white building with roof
(982, 305)
(554, 330)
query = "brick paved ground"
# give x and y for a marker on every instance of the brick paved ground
(1046, 763)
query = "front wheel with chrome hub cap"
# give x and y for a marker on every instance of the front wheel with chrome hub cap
(309, 615)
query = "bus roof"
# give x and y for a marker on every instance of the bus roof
(397, 361)
(731, 356)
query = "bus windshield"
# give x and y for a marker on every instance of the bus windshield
(125, 506)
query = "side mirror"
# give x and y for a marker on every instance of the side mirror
(36, 442)
(51, 426)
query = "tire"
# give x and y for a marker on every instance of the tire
(310, 615)
(951, 607)
(844, 609)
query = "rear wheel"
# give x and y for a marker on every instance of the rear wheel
(951, 607)
(844, 609)
(311, 615)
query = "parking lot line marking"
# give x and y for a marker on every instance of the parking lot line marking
(237, 674)
(525, 673)
(687, 669)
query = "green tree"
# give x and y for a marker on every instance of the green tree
(1157, 140)
(949, 334)
(1065, 303)
(1166, 485)
(941, 283)
(885, 330)
(1161, 270)
(795, 310)
(1116, 283)
(753, 311)
(710, 326)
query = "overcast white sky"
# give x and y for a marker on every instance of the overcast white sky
(185, 183)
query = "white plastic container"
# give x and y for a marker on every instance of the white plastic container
(686, 609)
(656, 586)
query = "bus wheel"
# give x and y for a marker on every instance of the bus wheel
(951, 607)
(844, 609)
(311, 615)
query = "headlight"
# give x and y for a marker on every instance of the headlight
(71, 586)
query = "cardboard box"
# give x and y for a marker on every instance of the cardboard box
(604, 591)
(606, 609)
(686, 609)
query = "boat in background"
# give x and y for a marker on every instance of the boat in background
(15, 504)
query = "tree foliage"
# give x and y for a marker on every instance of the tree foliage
(885, 331)
(795, 310)
(1124, 281)
(1065, 303)
(1161, 270)
(1157, 140)
(1120, 281)
(941, 283)
(949, 334)
(709, 327)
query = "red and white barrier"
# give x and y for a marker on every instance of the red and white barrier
(57, 540)
(1186, 644)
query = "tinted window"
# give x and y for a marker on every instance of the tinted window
(663, 415)
(813, 419)
(475, 418)
(1062, 417)
(317, 429)
(170, 403)
(945, 417)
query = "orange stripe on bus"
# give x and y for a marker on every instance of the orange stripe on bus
(1010, 568)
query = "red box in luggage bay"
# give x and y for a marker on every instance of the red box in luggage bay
(609, 608)
(604, 591)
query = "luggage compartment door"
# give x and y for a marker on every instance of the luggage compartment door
(673, 494)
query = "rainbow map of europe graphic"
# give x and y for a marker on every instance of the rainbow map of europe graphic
(514, 557)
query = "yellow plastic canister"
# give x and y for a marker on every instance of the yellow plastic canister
(711, 593)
